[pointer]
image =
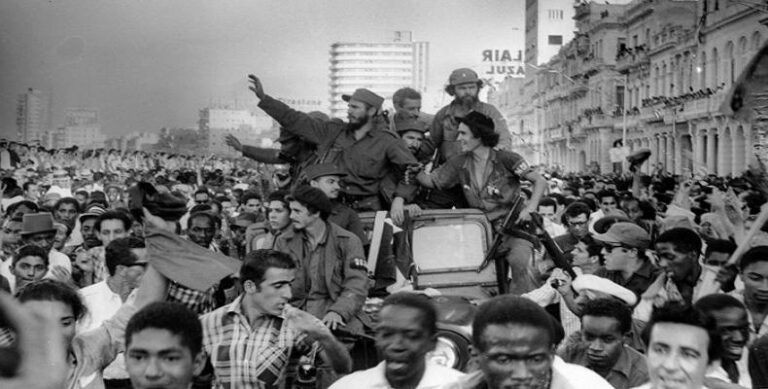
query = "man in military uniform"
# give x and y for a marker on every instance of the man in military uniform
(364, 148)
(412, 131)
(332, 281)
(327, 177)
(464, 85)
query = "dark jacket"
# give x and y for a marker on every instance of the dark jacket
(366, 162)
(346, 277)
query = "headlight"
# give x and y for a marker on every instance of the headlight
(446, 353)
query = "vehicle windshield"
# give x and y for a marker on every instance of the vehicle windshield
(448, 245)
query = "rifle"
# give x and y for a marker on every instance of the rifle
(506, 225)
(551, 246)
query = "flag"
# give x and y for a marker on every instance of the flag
(187, 263)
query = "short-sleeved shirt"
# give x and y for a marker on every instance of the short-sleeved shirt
(248, 356)
(434, 377)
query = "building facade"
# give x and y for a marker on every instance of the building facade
(652, 74)
(217, 122)
(81, 128)
(33, 116)
(381, 67)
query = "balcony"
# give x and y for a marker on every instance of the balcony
(596, 120)
(556, 133)
(590, 66)
(578, 89)
(631, 59)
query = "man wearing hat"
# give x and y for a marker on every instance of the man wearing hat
(626, 262)
(364, 148)
(38, 230)
(88, 230)
(411, 130)
(464, 85)
(327, 177)
(239, 225)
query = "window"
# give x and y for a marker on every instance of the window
(555, 14)
(431, 253)
(556, 40)
(620, 96)
(730, 57)
(715, 69)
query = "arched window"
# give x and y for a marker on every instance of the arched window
(756, 42)
(730, 58)
(664, 86)
(715, 67)
(703, 70)
(656, 81)
(743, 54)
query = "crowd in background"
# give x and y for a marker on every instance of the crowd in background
(107, 232)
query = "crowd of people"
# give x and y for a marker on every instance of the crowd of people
(175, 271)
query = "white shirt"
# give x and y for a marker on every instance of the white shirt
(564, 376)
(435, 376)
(102, 304)
(593, 218)
(716, 371)
(554, 229)
(648, 386)
(5, 271)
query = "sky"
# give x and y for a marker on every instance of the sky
(148, 64)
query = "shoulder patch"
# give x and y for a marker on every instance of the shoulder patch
(359, 264)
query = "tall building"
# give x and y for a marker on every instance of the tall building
(381, 67)
(217, 122)
(33, 110)
(548, 26)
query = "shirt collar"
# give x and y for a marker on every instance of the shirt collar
(622, 365)
(236, 308)
(323, 239)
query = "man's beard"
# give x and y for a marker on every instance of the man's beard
(467, 101)
(357, 124)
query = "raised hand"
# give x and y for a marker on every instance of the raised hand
(233, 142)
(256, 86)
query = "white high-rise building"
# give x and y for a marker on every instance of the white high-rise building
(32, 115)
(381, 67)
